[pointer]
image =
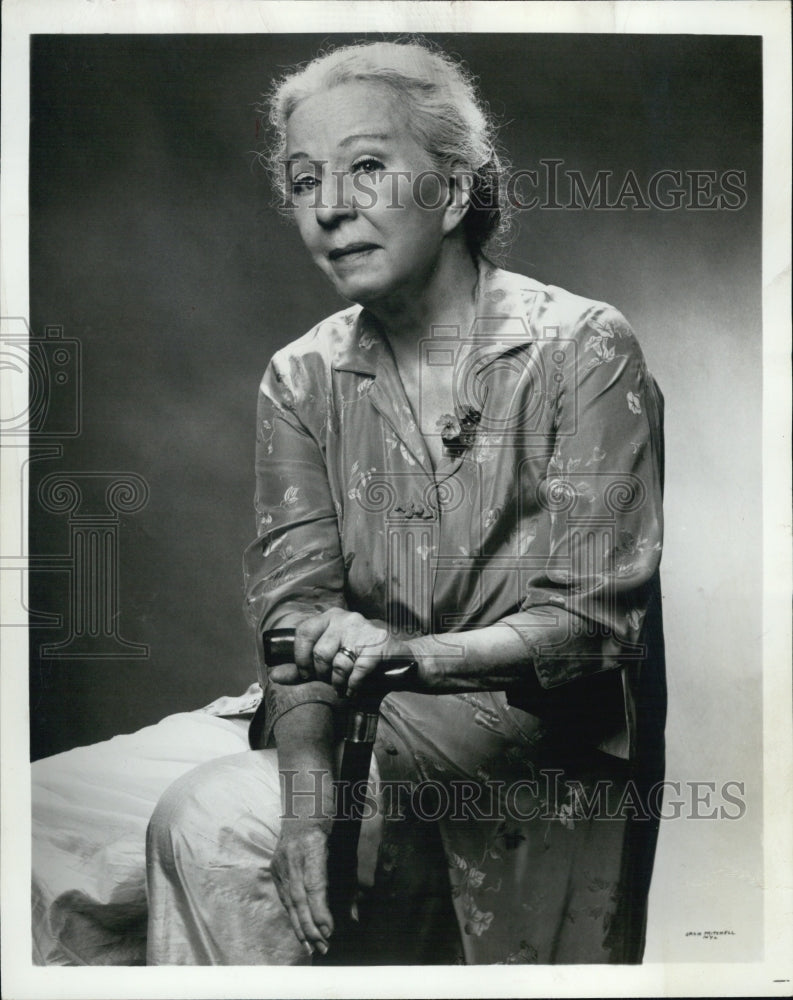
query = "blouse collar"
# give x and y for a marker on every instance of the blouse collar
(500, 325)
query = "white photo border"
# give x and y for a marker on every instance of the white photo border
(769, 18)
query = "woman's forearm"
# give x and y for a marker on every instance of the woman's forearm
(497, 656)
(307, 762)
(483, 659)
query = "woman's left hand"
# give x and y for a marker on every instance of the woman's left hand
(341, 648)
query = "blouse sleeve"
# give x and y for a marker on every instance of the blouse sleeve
(583, 610)
(294, 567)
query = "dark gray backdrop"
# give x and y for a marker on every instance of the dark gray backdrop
(153, 243)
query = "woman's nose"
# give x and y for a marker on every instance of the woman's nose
(337, 201)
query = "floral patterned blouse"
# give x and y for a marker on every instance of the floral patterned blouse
(547, 505)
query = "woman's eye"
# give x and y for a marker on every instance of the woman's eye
(367, 165)
(304, 183)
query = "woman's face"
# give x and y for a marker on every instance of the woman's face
(352, 169)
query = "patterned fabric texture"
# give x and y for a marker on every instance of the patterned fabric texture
(524, 834)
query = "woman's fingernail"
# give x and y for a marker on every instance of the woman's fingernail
(308, 947)
(324, 930)
(322, 947)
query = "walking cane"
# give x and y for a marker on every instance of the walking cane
(359, 736)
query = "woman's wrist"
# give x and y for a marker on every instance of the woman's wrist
(489, 658)
(429, 676)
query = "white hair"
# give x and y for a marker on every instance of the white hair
(445, 114)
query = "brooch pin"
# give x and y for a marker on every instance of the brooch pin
(458, 434)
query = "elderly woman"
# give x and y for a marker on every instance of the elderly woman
(463, 468)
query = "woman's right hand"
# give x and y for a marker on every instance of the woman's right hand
(341, 648)
(300, 871)
(300, 862)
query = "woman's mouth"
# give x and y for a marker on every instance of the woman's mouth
(351, 250)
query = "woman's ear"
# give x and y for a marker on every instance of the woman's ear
(461, 183)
